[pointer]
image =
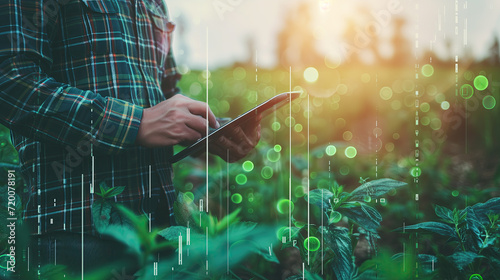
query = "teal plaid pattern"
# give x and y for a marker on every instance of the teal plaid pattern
(75, 77)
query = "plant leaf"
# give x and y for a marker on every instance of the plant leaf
(376, 188)
(471, 232)
(364, 215)
(426, 262)
(444, 213)
(115, 191)
(435, 227)
(265, 251)
(126, 235)
(307, 275)
(101, 214)
(320, 198)
(490, 206)
(173, 232)
(337, 239)
(462, 259)
(51, 271)
(228, 220)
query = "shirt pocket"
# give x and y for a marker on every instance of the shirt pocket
(93, 27)
(162, 27)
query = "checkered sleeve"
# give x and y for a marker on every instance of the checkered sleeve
(37, 106)
(170, 77)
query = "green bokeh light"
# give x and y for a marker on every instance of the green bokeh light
(239, 73)
(440, 97)
(284, 206)
(286, 232)
(468, 75)
(385, 93)
(351, 152)
(266, 172)
(425, 107)
(3, 260)
(277, 148)
(480, 82)
(425, 120)
(312, 243)
(427, 70)
(416, 171)
(445, 105)
(435, 124)
(455, 193)
(289, 121)
(247, 166)
(331, 150)
(298, 127)
(344, 170)
(299, 191)
(466, 91)
(334, 217)
(367, 198)
(298, 224)
(188, 186)
(489, 102)
(236, 198)
(241, 179)
(188, 197)
(476, 277)
(276, 126)
(273, 156)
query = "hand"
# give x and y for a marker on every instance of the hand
(176, 120)
(243, 139)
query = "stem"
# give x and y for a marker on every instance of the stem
(459, 238)
(471, 267)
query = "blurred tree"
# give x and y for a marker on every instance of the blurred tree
(401, 47)
(494, 53)
(352, 52)
(296, 42)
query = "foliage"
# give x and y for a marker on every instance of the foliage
(473, 234)
(221, 245)
(117, 221)
(338, 235)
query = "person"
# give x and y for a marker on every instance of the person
(88, 90)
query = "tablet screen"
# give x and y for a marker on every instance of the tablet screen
(264, 108)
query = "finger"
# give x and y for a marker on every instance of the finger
(196, 123)
(242, 138)
(201, 109)
(189, 135)
(253, 123)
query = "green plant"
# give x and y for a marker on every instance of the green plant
(116, 221)
(338, 236)
(472, 233)
(213, 248)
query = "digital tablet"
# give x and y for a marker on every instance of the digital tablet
(264, 108)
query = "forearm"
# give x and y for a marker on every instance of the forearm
(37, 106)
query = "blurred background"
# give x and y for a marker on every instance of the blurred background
(411, 87)
(406, 90)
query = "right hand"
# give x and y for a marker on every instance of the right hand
(176, 120)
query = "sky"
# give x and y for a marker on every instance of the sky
(222, 28)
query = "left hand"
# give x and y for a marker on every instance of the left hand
(242, 141)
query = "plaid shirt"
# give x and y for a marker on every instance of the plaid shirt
(75, 77)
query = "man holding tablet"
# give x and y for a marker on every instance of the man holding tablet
(88, 89)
